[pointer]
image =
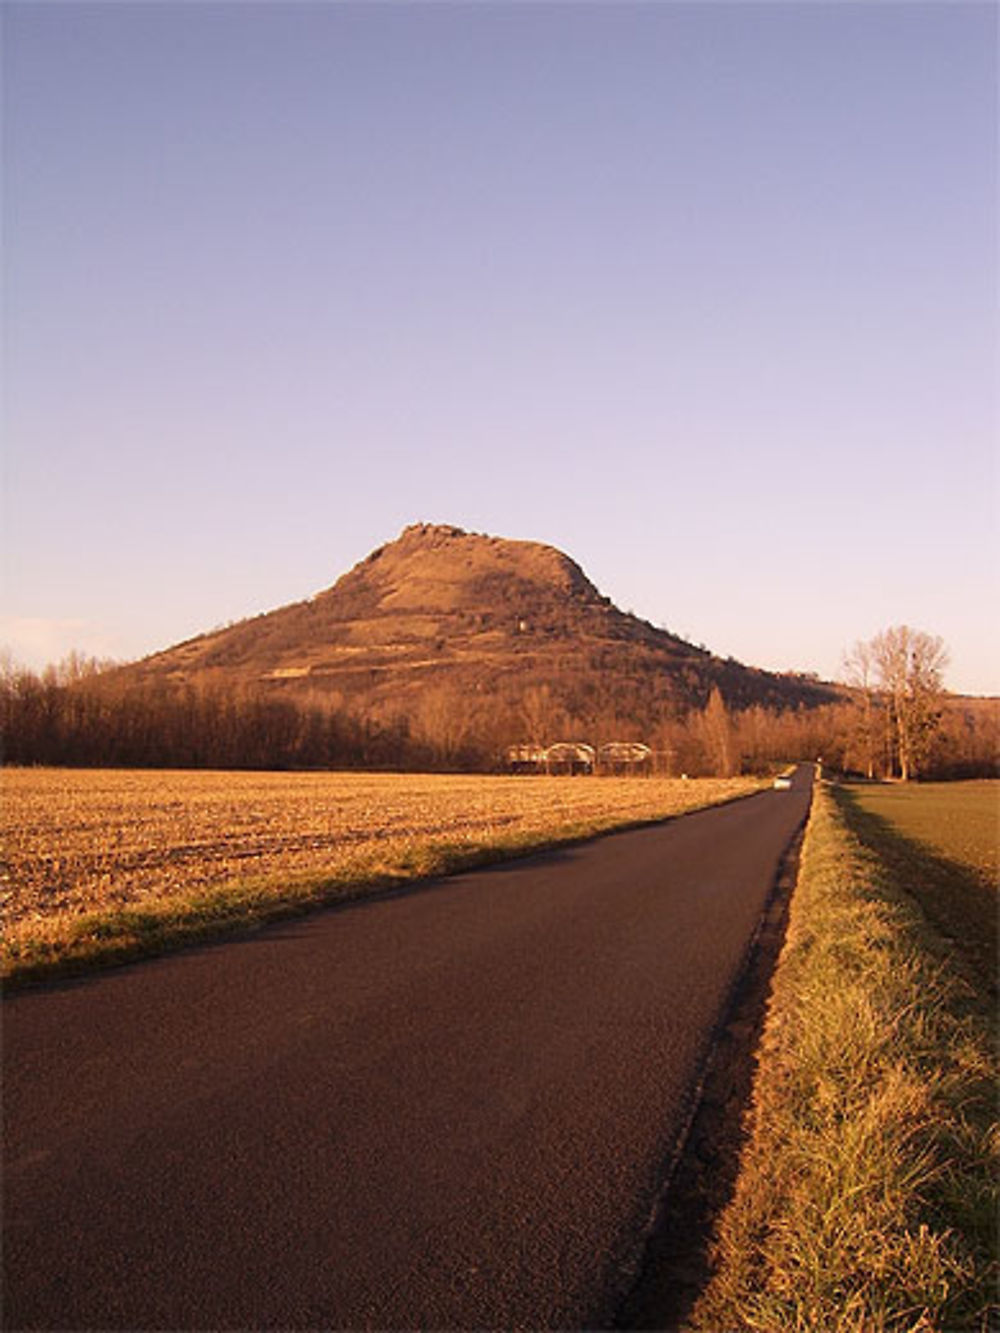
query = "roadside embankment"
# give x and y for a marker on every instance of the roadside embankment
(866, 1197)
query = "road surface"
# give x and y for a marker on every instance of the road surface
(449, 1108)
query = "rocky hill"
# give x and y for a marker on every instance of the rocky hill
(445, 628)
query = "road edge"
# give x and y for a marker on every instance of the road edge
(700, 1174)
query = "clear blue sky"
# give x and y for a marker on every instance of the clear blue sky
(705, 295)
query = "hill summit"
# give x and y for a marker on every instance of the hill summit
(436, 565)
(476, 629)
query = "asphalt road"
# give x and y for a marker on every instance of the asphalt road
(449, 1108)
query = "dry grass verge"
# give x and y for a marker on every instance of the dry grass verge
(107, 865)
(866, 1198)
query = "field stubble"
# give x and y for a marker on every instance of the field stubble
(113, 861)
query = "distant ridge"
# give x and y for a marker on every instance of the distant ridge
(478, 628)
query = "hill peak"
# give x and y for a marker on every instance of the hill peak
(440, 565)
(430, 532)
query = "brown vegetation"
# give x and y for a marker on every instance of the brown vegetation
(86, 716)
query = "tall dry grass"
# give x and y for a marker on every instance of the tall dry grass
(867, 1194)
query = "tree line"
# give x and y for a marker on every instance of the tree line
(856, 737)
(893, 719)
(79, 714)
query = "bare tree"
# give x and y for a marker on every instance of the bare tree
(859, 672)
(717, 731)
(910, 666)
(442, 722)
(541, 715)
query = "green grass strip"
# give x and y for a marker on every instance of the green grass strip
(958, 896)
(867, 1195)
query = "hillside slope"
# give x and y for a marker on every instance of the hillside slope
(445, 621)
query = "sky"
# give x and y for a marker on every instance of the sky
(705, 295)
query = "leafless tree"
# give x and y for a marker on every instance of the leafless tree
(859, 672)
(541, 715)
(442, 722)
(910, 667)
(717, 731)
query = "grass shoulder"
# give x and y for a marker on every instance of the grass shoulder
(866, 1197)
